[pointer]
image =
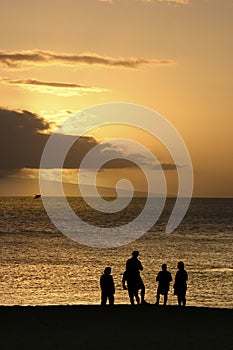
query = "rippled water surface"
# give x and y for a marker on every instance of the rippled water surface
(40, 266)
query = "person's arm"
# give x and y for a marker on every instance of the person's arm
(101, 282)
(124, 279)
(127, 265)
(113, 286)
(175, 283)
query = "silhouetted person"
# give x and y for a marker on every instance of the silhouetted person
(164, 278)
(180, 286)
(133, 293)
(107, 287)
(134, 280)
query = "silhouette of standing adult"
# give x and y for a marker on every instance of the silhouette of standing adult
(107, 287)
(133, 292)
(164, 278)
(134, 280)
(180, 285)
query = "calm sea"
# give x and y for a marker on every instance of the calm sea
(40, 266)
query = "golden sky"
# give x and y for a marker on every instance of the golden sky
(176, 57)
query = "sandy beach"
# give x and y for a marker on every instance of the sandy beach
(117, 327)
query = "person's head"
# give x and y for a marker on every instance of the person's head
(180, 265)
(107, 270)
(135, 253)
(164, 267)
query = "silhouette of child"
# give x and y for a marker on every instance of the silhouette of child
(180, 286)
(164, 278)
(107, 287)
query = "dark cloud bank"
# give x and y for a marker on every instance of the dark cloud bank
(23, 138)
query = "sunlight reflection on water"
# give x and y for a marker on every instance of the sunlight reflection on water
(40, 266)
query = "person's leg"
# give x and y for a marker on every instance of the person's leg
(184, 300)
(111, 299)
(157, 297)
(131, 295)
(103, 299)
(179, 300)
(137, 297)
(143, 290)
(165, 299)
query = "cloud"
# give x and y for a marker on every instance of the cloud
(136, 156)
(167, 166)
(56, 117)
(23, 136)
(22, 140)
(55, 88)
(18, 59)
(181, 2)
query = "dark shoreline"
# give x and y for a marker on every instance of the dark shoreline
(118, 327)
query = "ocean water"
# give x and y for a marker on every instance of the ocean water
(41, 266)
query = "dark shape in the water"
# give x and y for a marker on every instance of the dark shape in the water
(37, 196)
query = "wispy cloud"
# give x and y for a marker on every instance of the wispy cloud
(181, 2)
(167, 166)
(18, 59)
(57, 117)
(55, 88)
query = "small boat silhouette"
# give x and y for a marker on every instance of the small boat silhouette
(37, 196)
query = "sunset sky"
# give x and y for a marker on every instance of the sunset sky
(60, 57)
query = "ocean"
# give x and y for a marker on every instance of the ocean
(41, 266)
